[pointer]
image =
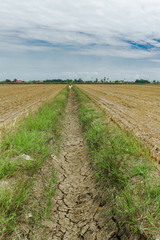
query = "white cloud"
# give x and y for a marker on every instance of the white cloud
(89, 27)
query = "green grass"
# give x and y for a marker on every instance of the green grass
(49, 193)
(35, 137)
(123, 165)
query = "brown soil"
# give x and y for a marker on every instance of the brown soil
(79, 206)
(17, 100)
(134, 107)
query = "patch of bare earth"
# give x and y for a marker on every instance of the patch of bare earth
(78, 208)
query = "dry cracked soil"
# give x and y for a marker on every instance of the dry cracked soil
(78, 211)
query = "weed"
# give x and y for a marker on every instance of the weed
(49, 193)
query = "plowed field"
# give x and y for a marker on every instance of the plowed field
(16, 100)
(134, 107)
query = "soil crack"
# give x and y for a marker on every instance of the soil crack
(78, 216)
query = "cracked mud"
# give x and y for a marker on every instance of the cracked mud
(77, 214)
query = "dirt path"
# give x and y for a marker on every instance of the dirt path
(77, 214)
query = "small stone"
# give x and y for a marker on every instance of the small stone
(3, 183)
(26, 157)
(54, 157)
(29, 215)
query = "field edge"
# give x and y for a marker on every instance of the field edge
(123, 165)
(23, 153)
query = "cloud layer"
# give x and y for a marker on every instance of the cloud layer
(106, 30)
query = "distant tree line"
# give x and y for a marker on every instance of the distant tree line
(79, 81)
(157, 82)
(142, 81)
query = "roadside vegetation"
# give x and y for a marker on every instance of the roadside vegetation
(123, 165)
(23, 152)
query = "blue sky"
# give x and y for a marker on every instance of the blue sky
(119, 39)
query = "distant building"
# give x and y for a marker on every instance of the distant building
(19, 81)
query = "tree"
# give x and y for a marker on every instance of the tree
(7, 80)
(142, 81)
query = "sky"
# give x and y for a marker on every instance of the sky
(88, 39)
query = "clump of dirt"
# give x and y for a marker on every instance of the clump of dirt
(79, 206)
